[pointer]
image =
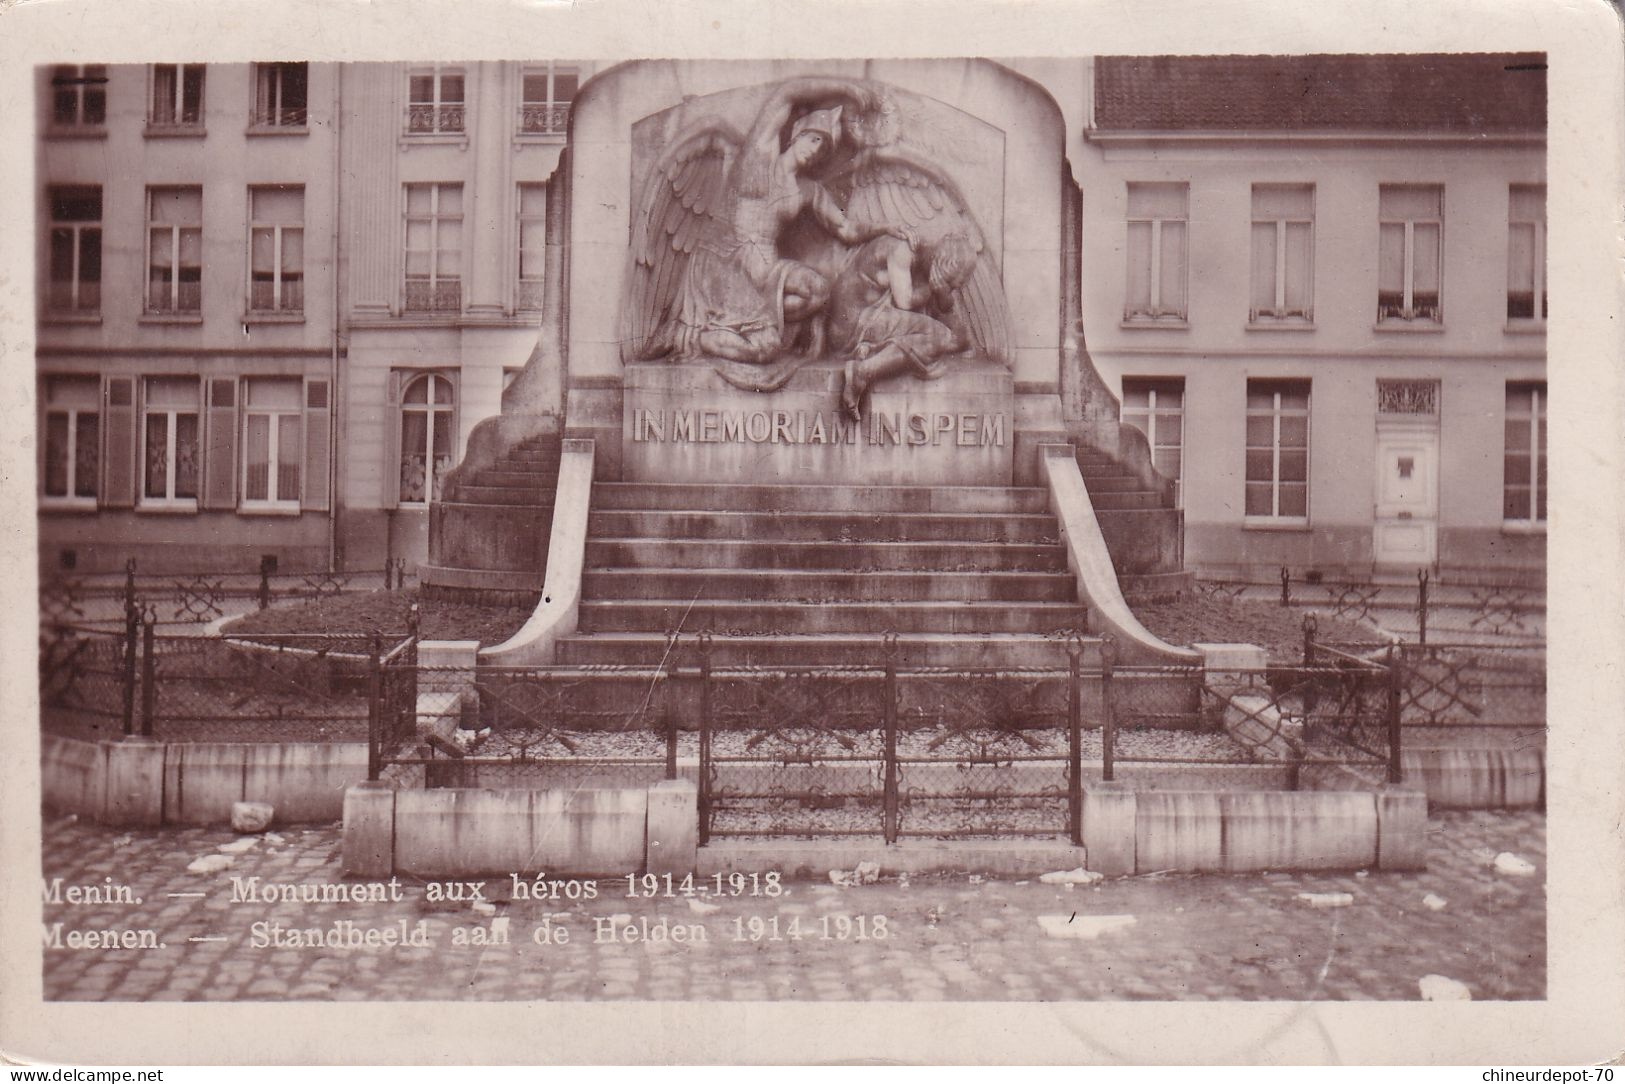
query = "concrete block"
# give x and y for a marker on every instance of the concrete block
(447, 655)
(1178, 830)
(1232, 657)
(673, 832)
(1402, 828)
(1478, 778)
(1266, 830)
(1109, 816)
(369, 830)
(73, 775)
(589, 831)
(135, 783)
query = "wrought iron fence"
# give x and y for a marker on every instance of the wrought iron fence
(1459, 608)
(202, 597)
(1252, 728)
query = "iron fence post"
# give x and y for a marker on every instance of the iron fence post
(670, 721)
(704, 644)
(1074, 737)
(375, 713)
(1422, 606)
(1311, 625)
(129, 586)
(1108, 719)
(132, 629)
(889, 821)
(1286, 586)
(412, 618)
(265, 583)
(1396, 685)
(149, 675)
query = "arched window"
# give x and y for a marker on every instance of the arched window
(427, 406)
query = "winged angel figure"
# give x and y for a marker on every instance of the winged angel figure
(894, 263)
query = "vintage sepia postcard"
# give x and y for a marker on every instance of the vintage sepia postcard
(850, 531)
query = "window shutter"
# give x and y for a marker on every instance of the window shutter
(391, 496)
(313, 492)
(119, 456)
(220, 453)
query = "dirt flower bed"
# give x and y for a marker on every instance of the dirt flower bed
(1195, 619)
(386, 612)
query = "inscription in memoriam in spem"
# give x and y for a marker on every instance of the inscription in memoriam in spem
(880, 428)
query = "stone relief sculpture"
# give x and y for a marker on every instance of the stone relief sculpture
(814, 237)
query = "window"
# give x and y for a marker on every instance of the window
(1157, 409)
(1278, 450)
(1526, 252)
(1409, 252)
(74, 278)
(172, 448)
(280, 95)
(174, 250)
(1157, 220)
(273, 438)
(72, 439)
(435, 101)
(1283, 253)
(426, 437)
(544, 99)
(276, 249)
(434, 247)
(177, 96)
(79, 95)
(1524, 486)
(532, 240)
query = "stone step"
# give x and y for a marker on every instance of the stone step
(777, 617)
(511, 495)
(837, 556)
(825, 526)
(913, 649)
(816, 498)
(519, 479)
(1116, 483)
(688, 583)
(1135, 500)
(1156, 586)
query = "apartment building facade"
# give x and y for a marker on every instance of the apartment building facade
(277, 298)
(1318, 284)
(443, 217)
(186, 349)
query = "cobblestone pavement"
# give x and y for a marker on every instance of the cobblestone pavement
(946, 936)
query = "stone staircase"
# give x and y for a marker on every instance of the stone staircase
(1144, 531)
(489, 530)
(817, 574)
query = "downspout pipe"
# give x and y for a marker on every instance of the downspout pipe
(335, 394)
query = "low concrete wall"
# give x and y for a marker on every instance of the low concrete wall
(149, 783)
(302, 781)
(586, 831)
(1129, 831)
(1478, 778)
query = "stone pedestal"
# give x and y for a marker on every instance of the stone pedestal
(684, 423)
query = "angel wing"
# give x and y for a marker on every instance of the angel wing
(683, 205)
(889, 190)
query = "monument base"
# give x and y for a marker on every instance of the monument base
(684, 423)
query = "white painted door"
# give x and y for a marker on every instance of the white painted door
(1407, 511)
